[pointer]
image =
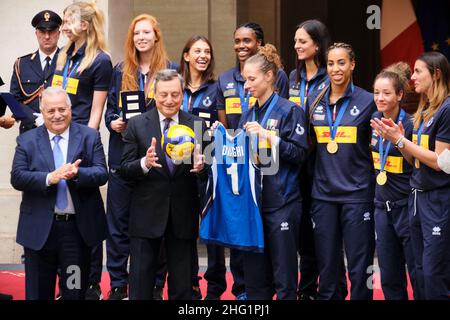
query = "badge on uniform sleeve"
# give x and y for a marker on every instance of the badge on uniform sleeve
(299, 130)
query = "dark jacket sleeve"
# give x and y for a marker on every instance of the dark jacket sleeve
(112, 106)
(282, 84)
(14, 86)
(293, 142)
(131, 159)
(22, 177)
(95, 174)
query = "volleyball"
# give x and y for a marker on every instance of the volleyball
(178, 142)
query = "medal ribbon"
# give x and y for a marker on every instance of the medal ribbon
(334, 126)
(186, 101)
(67, 74)
(244, 100)
(385, 152)
(304, 92)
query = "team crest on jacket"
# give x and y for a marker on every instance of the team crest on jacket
(299, 130)
(355, 111)
(207, 102)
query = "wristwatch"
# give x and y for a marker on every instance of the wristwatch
(400, 143)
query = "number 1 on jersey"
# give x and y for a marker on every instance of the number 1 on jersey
(233, 172)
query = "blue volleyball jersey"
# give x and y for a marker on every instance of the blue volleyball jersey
(437, 128)
(398, 170)
(346, 176)
(232, 217)
(230, 89)
(299, 91)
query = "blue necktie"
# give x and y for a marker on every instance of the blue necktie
(169, 161)
(61, 188)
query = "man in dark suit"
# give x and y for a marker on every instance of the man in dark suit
(32, 73)
(59, 168)
(165, 200)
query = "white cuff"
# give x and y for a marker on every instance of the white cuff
(145, 170)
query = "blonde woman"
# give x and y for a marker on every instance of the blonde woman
(84, 67)
(84, 70)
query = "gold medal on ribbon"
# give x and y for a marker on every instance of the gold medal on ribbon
(332, 147)
(382, 178)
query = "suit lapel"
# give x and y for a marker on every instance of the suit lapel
(43, 141)
(74, 143)
(36, 65)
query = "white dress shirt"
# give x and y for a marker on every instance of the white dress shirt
(64, 145)
(42, 57)
(175, 120)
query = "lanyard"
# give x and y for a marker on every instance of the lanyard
(385, 152)
(334, 125)
(141, 83)
(66, 74)
(244, 100)
(304, 92)
(268, 112)
(419, 133)
(186, 103)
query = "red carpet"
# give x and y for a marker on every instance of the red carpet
(13, 282)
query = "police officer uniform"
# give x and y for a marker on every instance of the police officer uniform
(429, 209)
(275, 270)
(30, 75)
(343, 190)
(393, 239)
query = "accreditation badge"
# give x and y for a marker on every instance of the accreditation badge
(72, 85)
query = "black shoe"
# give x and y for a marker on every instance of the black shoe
(93, 292)
(158, 293)
(5, 296)
(196, 293)
(119, 293)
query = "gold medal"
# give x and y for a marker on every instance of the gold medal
(382, 178)
(332, 147)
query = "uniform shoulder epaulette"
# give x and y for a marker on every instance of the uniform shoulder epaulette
(32, 55)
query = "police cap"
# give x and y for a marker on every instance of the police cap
(46, 20)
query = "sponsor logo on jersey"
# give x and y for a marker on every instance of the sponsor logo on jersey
(230, 85)
(429, 123)
(424, 140)
(343, 134)
(393, 164)
(366, 216)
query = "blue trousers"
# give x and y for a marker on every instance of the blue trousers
(275, 270)
(216, 271)
(430, 237)
(63, 250)
(394, 250)
(351, 225)
(117, 217)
